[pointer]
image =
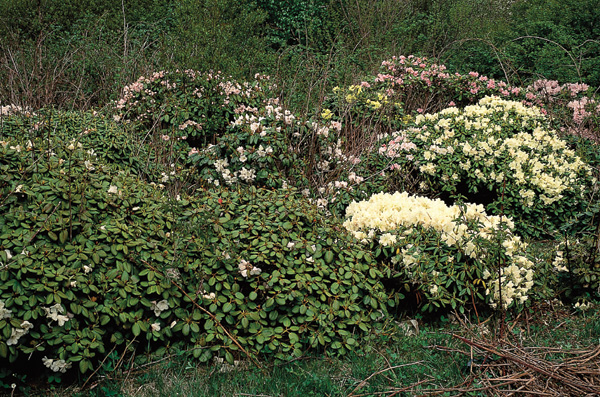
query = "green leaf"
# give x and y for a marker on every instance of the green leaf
(63, 236)
(209, 324)
(136, 329)
(84, 365)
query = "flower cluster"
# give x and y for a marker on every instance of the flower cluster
(396, 219)
(9, 110)
(56, 365)
(247, 269)
(574, 104)
(159, 307)
(402, 77)
(17, 333)
(552, 88)
(55, 313)
(4, 312)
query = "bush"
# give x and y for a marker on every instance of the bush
(286, 278)
(498, 153)
(450, 256)
(74, 236)
(417, 84)
(95, 259)
(178, 105)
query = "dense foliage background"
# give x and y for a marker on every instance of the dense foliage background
(78, 54)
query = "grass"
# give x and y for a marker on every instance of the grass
(403, 361)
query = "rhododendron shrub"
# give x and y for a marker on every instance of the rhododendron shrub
(269, 146)
(261, 146)
(498, 153)
(574, 107)
(414, 84)
(451, 256)
(187, 105)
(94, 259)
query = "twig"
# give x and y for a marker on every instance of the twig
(364, 382)
(99, 366)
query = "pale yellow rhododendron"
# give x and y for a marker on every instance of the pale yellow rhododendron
(388, 217)
(540, 163)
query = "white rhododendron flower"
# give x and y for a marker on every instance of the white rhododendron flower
(4, 312)
(55, 313)
(159, 307)
(56, 365)
(17, 333)
(247, 269)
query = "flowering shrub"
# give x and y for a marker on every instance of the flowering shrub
(187, 105)
(262, 146)
(76, 235)
(573, 106)
(498, 153)
(417, 84)
(449, 255)
(93, 258)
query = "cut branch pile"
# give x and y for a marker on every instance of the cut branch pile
(505, 369)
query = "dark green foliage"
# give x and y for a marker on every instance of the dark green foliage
(551, 39)
(96, 259)
(316, 287)
(295, 21)
(31, 18)
(218, 35)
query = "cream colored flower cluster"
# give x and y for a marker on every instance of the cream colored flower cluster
(4, 312)
(538, 162)
(55, 313)
(514, 283)
(390, 218)
(17, 333)
(56, 365)
(10, 110)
